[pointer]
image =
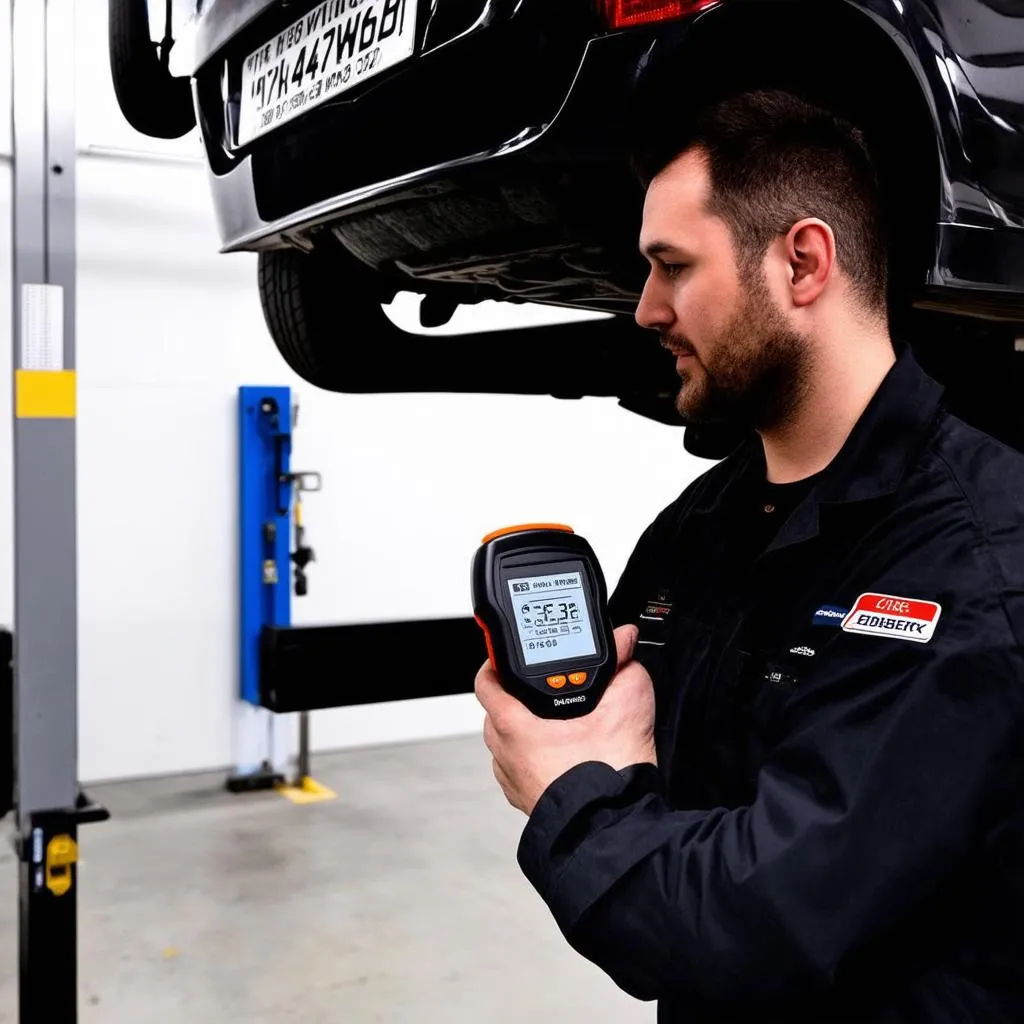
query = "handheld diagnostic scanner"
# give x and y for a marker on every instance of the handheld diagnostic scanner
(539, 596)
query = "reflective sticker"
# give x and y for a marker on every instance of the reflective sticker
(906, 618)
(42, 327)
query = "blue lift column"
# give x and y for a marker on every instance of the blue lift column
(263, 740)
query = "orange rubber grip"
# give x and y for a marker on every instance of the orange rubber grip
(487, 639)
(527, 526)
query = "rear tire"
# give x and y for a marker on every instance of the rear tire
(324, 312)
(285, 313)
(313, 306)
(152, 100)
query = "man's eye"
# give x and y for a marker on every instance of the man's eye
(673, 269)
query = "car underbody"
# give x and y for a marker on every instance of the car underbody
(495, 164)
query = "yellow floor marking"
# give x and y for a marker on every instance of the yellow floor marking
(309, 792)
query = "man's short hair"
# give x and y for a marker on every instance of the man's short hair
(775, 158)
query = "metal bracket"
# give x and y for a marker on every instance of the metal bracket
(85, 812)
(270, 409)
(300, 480)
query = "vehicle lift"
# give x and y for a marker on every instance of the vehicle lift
(47, 799)
(269, 500)
(286, 668)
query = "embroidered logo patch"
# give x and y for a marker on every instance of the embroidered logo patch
(652, 620)
(807, 652)
(887, 615)
(829, 615)
(656, 609)
(780, 678)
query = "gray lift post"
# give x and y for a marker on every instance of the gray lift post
(49, 808)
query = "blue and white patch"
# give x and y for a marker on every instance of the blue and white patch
(830, 615)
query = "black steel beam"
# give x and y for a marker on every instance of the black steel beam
(303, 668)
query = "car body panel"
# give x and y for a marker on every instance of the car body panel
(562, 135)
(222, 21)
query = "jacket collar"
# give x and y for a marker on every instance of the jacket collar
(870, 465)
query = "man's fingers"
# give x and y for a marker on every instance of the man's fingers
(634, 675)
(489, 734)
(625, 643)
(629, 683)
(486, 685)
(504, 710)
(491, 695)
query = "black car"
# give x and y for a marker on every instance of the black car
(479, 149)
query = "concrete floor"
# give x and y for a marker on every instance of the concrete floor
(399, 902)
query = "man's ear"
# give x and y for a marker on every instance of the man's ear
(811, 253)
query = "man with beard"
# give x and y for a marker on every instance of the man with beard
(802, 797)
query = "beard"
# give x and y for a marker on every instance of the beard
(755, 371)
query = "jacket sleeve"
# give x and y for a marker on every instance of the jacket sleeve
(894, 756)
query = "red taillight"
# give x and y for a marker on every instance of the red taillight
(627, 13)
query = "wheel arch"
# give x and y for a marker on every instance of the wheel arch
(868, 69)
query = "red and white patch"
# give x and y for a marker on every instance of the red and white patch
(886, 615)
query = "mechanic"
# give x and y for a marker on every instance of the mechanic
(802, 796)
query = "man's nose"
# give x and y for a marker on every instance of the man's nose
(653, 311)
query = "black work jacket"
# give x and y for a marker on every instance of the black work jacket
(835, 828)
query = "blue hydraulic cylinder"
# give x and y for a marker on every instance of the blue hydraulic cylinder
(265, 492)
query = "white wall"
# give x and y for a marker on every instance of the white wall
(168, 329)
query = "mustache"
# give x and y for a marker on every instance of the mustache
(677, 345)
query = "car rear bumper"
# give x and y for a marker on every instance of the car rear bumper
(501, 91)
(242, 228)
(498, 158)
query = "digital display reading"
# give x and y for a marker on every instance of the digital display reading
(552, 617)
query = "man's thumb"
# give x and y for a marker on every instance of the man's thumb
(625, 643)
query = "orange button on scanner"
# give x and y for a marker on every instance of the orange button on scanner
(577, 678)
(556, 682)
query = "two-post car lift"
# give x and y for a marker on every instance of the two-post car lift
(284, 668)
(48, 802)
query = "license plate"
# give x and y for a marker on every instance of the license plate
(335, 47)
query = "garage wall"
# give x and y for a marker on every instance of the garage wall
(167, 331)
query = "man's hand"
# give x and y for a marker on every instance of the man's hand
(530, 752)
